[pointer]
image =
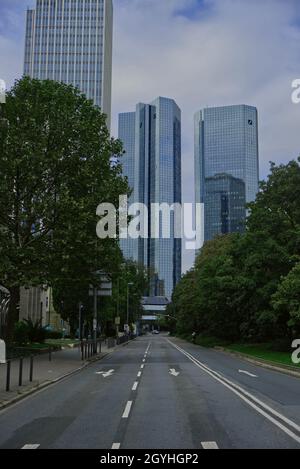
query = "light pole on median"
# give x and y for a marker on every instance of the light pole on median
(130, 284)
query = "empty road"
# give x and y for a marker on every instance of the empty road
(160, 393)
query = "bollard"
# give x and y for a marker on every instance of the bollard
(8, 376)
(82, 351)
(21, 372)
(31, 369)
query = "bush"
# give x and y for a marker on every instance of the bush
(210, 342)
(281, 345)
(28, 331)
(36, 333)
(54, 335)
(21, 336)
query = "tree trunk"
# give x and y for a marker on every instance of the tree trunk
(13, 313)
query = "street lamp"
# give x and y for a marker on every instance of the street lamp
(130, 284)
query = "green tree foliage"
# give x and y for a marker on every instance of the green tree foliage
(67, 295)
(55, 168)
(246, 287)
(286, 301)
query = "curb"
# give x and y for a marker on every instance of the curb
(45, 384)
(261, 362)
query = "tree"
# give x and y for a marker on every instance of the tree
(55, 168)
(286, 302)
(245, 287)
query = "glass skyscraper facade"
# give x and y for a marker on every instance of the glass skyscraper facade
(70, 41)
(127, 135)
(153, 166)
(225, 201)
(226, 162)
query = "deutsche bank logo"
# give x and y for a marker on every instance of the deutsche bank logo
(2, 91)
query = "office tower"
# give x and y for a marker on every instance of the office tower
(70, 41)
(226, 144)
(155, 130)
(127, 136)
(225, 202)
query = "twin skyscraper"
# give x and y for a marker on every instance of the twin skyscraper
(71, 41)
(226, 175)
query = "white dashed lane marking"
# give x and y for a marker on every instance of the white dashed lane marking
(116, 446)
(31, 446)
(209, 445)
(127, 410)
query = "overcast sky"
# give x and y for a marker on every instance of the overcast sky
(200, 53)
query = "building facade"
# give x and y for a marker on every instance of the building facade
(126, 134)
(70, 41)
(152, 163)
(225, 201)
(226, 162)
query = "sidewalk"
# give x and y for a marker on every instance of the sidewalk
(64, 362)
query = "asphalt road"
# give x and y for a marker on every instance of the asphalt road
(160, 393)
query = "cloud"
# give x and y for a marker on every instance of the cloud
(227, 52)
(201, 53)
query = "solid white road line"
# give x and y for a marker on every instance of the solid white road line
(247, 373)
(209, 445)
(116, 446)
(127, 410)
(31, 446)
(139, 374)
(134, 387)
(242, 393)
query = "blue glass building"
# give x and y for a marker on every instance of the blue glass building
(70, 41)
(153, 167)
(127, 135)
(225, 201)
(226, 143)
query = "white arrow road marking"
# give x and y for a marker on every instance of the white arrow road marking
(173, 372)
(31, 446)
(105, 374)
(247, 373)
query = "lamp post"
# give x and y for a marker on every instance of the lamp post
(130, 284)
